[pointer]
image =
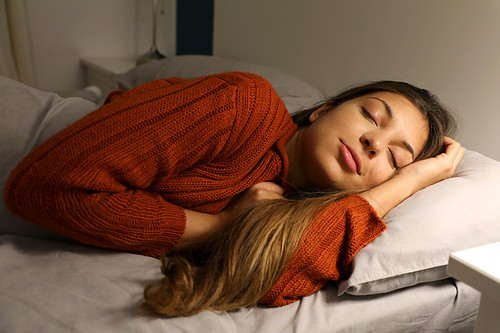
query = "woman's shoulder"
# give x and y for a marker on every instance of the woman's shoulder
(260, 116)
(243, 79)
(255, 94)
(249, 86)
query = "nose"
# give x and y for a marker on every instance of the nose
(373, 144)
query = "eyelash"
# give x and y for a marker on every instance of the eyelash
(393, 160)
(368, 115)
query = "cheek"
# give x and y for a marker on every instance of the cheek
(379, 173)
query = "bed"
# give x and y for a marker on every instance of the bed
(398, 284)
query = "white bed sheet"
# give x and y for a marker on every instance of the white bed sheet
(53, 286)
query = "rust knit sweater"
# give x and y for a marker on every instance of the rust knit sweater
(121, 177)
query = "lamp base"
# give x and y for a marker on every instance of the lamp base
(153, 54)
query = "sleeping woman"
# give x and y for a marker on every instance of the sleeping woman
(248, 204)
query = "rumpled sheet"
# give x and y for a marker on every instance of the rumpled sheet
(52, 286)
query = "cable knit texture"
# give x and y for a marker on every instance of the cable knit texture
(121, 177)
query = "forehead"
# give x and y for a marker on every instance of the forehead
(394, 104)
(395, 100)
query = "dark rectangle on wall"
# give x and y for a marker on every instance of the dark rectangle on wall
(195, 26)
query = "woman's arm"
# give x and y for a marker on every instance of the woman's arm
(95, 181)
(202, 228)
(415, 177)
(114, 178)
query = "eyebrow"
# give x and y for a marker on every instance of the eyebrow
(390, 114)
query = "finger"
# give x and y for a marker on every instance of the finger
(459, 157)
(448, 140)
(273, 195)
(269, 187)
(261, 194)
(452, 148)
(449, 143)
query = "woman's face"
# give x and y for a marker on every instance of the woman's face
(358, 144)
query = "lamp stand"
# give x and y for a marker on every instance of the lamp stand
(153, 53)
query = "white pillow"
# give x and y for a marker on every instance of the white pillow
(455, 214)
(296, 94)
(28, 117)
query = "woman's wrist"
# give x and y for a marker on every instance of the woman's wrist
(201, 228)
(389, 194)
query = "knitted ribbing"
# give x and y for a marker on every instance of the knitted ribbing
(120, 177)
(326, 249)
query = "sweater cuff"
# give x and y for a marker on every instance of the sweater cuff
(171, 235)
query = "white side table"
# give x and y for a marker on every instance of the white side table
(479, 267)
(102, 72)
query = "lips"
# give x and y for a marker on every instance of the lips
(351, 158)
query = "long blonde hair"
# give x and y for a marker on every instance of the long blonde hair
(245, 261)
(250, 255)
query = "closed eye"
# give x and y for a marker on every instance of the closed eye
(393, 160)
(368, 116)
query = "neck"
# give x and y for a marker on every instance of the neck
(292, 150)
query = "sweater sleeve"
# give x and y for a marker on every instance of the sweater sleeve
(326, 250)
(95, 181)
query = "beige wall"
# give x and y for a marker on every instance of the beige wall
(64, 31)
(451, 47)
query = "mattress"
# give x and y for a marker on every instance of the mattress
(54, 286)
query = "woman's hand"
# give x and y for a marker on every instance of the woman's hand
(432, 170)
(259, 191)
(415, 177)
(201, 228)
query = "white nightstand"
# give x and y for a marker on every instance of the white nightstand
(479, 267)
(102, 72)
